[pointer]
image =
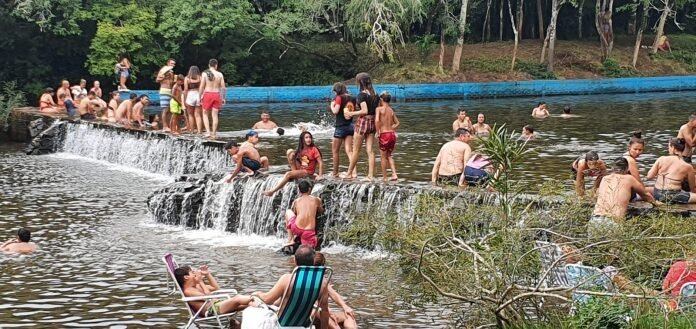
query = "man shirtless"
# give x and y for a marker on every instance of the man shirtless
(64, 91)
(212, 91)
(138, 113)
(540, 112)
(301, 220)
(20, 244)
(246, 156)
(686, 131)
(462, 121)
(86, 106)
(481, 128)
(124, 110)
(452, 159)
(265, 124)
(386, 122)
(165, 77)
(614, 194)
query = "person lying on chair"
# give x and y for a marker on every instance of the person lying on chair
(192, 284)
(304, 256)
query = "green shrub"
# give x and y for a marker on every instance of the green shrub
(612, 69)
(536, 70)
(10, 98)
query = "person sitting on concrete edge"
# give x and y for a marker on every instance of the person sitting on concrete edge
(303, 162)
(246, 156)
(19, 244)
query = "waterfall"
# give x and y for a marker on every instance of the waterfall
(151, 151)
(202, 202)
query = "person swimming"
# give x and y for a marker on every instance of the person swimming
(527, 133)
(670, 172)
(589, 165)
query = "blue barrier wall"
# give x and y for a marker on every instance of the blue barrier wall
(414, 92)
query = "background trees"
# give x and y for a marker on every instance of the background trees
(285, 42)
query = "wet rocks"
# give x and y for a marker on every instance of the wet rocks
(45, 138)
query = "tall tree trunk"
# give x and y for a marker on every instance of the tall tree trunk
(552, 35)
(441, 61)
(544, 46)
(639, 35)
(456, 59)
(520, 18)
(486, 31)
(581, 4)
(603, 23)
(515, 31)
(661, 26)
(500, 21)
(540, 19)
(633, 19)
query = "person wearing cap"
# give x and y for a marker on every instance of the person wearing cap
(46, 104)
(246, 156)
(462, 121)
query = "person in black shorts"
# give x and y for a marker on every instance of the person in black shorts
(246, 156)
(343, 128)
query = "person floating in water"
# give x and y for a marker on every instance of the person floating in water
(452, 159)
(462, 121)
(613, 195)
(670, 172)
(386, 122)
(481, 128)
(303, 162)
(265, 124)
(541, 111)
(246, 156)
(527, 133)
(343, 127)
(301, 219)
(686, 132)
(19, 244)
(588, 165)
(566, 112)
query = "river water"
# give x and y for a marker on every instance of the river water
(99, 263)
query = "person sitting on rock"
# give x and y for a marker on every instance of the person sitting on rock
(20, 244)
(46, 103)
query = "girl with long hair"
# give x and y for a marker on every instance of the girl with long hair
(367, 103)
(303, 162)
(192, 100)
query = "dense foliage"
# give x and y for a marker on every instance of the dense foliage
(262, 42)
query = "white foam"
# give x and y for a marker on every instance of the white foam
(113, 167)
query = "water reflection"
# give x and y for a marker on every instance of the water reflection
(99, 260)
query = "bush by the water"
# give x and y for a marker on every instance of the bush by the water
(10, 98)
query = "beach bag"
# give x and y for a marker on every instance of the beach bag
(260, 317)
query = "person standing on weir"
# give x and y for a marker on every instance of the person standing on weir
(212, 91)
(165, 77)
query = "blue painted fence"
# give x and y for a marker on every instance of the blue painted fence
(415, 92)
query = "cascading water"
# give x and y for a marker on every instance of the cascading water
(204, 202)
(154, 152)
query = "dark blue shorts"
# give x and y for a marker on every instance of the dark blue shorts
(342, 132)
(672, 196)
(251, 164)
(475, 176)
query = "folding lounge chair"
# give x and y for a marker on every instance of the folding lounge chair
(687, 297)
(587, 278)
(551, 261)
(298, 302)
(195, 317)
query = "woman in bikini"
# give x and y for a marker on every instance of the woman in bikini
(46, 104)
(192, 100)
(589, 165)
(670, 172)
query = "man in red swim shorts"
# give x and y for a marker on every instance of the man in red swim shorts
(386, 122)
(301, 220)
(212, 91)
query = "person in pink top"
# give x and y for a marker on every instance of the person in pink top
(680, 273)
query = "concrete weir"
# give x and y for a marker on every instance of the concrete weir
(198, 199)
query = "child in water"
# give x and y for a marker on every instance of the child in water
(527, 133)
